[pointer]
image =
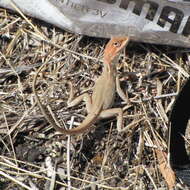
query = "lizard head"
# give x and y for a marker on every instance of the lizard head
(114, 47)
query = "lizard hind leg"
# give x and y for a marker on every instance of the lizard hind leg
(72, 101)
(118, 112)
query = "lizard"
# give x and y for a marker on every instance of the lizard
(100, 102)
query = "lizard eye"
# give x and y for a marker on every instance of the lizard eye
(117, 44)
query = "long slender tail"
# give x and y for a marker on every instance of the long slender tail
(88, 121)
(85, 125)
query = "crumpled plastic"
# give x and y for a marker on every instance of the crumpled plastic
(152, 21)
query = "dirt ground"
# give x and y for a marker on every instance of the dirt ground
(34, 156)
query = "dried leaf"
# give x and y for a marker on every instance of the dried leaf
(165, 169)
(98, 159)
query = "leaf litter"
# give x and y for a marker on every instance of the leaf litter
(34, 156)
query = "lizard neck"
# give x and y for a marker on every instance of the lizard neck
(109, 67)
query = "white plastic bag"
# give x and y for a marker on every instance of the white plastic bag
(154, 21)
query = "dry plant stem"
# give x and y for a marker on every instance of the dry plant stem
(61, 48)
(10, 24)
(159, 103)
(7, 163)
(150, 177)
(68, 157)
(19, 122)
(11, 142)
(15, 181)
(27, 20)
(173, 64)
(32, 174)
(155, 97)
(150, 125)
(179, 76)
(18, 77)
(132, 124)
(13, 41)
(19, 84)
(32, 185)
(103, 93)
(52, 184)
(140, 148)
(51, 172)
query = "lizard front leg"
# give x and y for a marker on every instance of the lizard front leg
(114, 112)
(120, 92)
(72, 101)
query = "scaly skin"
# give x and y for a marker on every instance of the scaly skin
(103, 93)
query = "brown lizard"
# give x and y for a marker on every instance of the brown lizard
(98, 105)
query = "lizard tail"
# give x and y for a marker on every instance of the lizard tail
(90, 119)
(85, 125)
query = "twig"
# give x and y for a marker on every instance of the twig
(155, 97)
(68, 156)
(150, 177)
(14, 180)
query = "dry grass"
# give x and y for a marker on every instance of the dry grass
(34, 156)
